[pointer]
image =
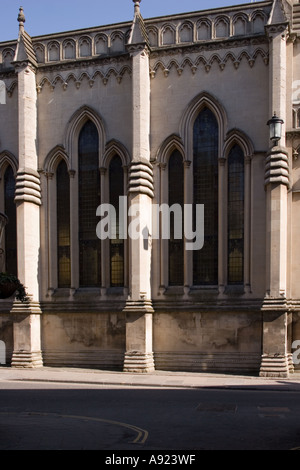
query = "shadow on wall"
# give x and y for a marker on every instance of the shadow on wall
(2, 92)
(2, 353)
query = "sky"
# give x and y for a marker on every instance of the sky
(44, 17)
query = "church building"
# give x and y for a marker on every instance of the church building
(150, 181)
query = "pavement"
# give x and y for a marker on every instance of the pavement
(156, 379)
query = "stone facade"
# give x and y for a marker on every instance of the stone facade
(143, 85)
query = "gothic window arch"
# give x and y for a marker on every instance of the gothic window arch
(222, 27)
(168, 35)
(8, 172)
(101, 44)
(7, 57)
(238, 152)
(69, 49)
(206, 191)
(117, 41)
(215, 168)
(10, 254)
(176, 197)
(186, 32)
(204, 30)
(53, 51)
(236, 215)
(258, 20)
(58, 174)
(153, 36)
(240, 24)
(88, 200)
(40, 53)
(85, 46)
(63, 225)
(116, 252)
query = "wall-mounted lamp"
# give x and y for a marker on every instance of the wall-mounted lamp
(275, 126)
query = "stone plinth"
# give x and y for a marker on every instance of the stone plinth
(27, 335)
(276, 361)
(139, 342)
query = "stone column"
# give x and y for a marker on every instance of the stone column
(275, 357)
(27, 315)
(138, 309)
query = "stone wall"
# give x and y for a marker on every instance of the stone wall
(84, 340)
(207, 341)
(6, 335)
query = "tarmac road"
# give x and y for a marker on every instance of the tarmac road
(41, 415)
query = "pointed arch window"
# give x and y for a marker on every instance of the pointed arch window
(116, 190)
(63, 225)
(176, 196)
(236, 214)
(89, 200)
(11, 227)
(205, 165)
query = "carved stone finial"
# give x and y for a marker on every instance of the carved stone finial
(21, 17)
(136, 6)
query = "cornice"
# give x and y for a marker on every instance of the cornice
(142, 47)
(275, 29)
(293, 133)
(59, 77)
(210, 11)
(212, 45)
(21, 65)
(207, 62)
(84, 63)
(83, 31)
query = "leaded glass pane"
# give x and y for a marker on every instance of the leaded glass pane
(63, 225)
(116, 189)
(236, 216)
(176, 196)
(89, 200)
(205, 155)
(11, 227)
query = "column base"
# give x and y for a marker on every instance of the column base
(275, 366)
(138, 306)
(27, 352)
(139, 347)
(290, 363)
(27, 360)
(136, 362)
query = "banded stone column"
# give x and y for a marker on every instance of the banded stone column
(275, 358)
(276, 319)
(139, 310)
(27, 316)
